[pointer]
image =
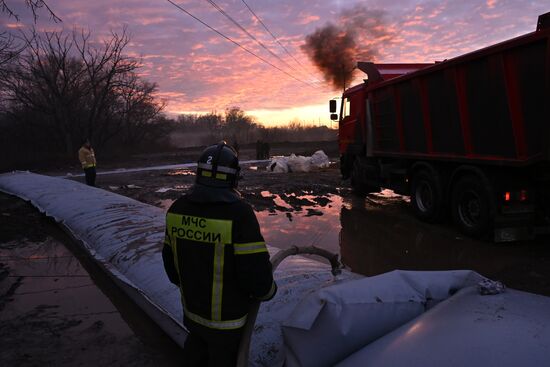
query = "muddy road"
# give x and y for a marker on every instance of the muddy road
(52, 298)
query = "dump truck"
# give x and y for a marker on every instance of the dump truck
(467, 138)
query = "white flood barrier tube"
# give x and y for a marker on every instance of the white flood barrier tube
(336, 321)
(125, 237)
(155, 168)
(510, 329)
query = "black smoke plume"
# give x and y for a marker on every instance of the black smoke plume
(335, 49)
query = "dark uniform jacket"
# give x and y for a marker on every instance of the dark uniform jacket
(216, 254)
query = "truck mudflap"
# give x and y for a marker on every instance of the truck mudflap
(511, 234)
(521, 222)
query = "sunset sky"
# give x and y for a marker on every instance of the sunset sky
(198, 71)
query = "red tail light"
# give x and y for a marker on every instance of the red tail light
(523, 195)
(507, 196)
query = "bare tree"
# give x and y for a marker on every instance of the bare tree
(212, 122)
(138, 110)
(47, 79)
(79, 89)
(34, 5)
(238, 125)
(109, 73)
(8, 49)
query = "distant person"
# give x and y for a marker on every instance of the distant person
(266, 150)
(259, 147)
(214, 251)
(86, 157)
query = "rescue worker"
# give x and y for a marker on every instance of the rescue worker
(259, 146)
(265, 150)
(86, 157)
(215, 253)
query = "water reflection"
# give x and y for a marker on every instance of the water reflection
(181, 172)
(378, 233)
(377, 240)
(300, 220)
(314, 222)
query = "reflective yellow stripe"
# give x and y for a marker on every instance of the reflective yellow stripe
(88, 165)
(219, 176)
(220, 325)
(171, 241)
(217, 282)
(199, 229)
(270, 293)
(250, 248)
(175, 253)
(167, 239)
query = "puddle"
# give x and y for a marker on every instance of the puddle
(53, 313)
(46, 273)
(181, 172)
(162, 190)
(312, 224)
(315, 224)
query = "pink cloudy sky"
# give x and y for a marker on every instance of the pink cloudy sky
(198, 71)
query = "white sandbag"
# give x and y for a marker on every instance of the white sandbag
(299, 163)
(278, 165)
(505, 330)
(336, 321)
(320, 160)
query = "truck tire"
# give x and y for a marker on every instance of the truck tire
(471, 206)
(426, 196)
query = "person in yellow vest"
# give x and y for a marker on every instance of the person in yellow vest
(87, 159)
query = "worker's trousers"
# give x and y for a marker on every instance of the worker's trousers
(90, 176)
(210, 347)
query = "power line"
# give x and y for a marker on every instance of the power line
(238, 44)
(277, 40)
(250, 35)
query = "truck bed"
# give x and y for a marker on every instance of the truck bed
(489, 106)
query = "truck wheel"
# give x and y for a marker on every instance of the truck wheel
(471, 206)
(426, 197)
